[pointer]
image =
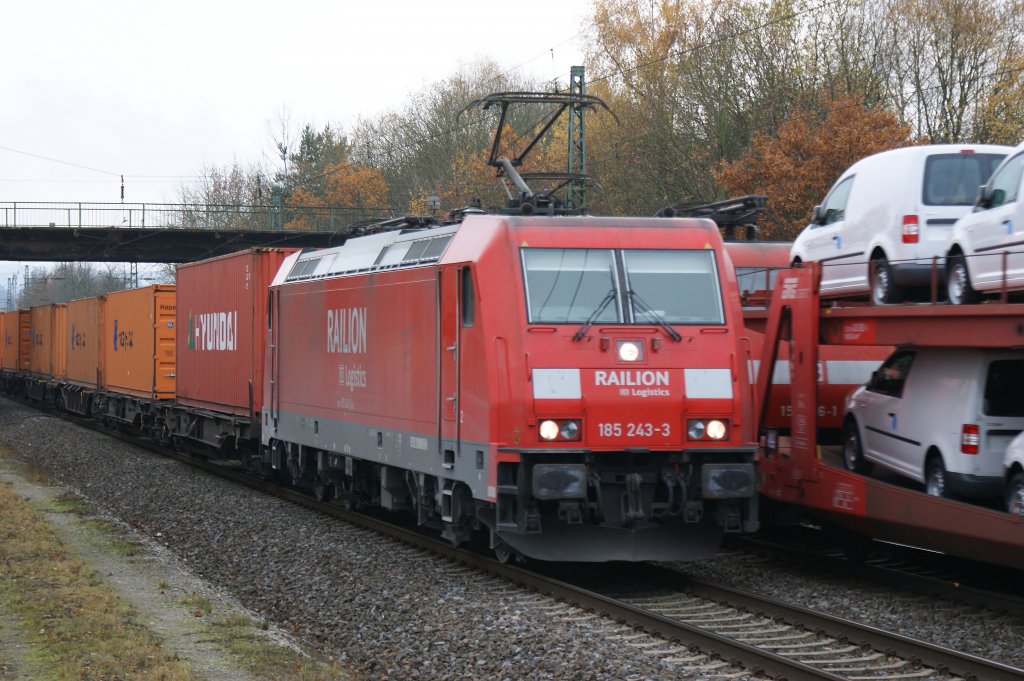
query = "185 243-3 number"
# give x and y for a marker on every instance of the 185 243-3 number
(615, 429)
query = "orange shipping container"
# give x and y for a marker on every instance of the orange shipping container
(85, 333)
(11, 340)
(138, 342)
(24, 341)
(16, 335)
(48, 353)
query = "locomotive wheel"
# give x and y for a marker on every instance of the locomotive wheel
(323, 491)
(504, 553)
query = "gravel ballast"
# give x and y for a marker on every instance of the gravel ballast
(392, 611)
(382, 608)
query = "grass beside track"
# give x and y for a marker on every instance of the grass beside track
(76, 624)
(78, 627)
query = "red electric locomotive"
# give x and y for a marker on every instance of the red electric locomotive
(576, 387)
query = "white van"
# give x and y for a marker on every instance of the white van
(889, 214)
(941, 416)
(1014, 467)
(985, 251)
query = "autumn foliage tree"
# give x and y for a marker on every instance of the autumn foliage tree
(358, 190)
(1001, 115)
(796, 165)
(321, 179)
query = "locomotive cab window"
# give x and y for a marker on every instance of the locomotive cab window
(566, 286)
(575, 286)
(680, 287)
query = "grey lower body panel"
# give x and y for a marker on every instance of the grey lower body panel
(420, 452)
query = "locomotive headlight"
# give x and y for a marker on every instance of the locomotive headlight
(570, 430)
(716, 430)
(548, 430)
(630, 351)
(707, 429)
(562, 430)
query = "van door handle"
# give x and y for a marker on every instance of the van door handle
(1009, 226)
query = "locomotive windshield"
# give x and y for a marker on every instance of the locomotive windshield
(566, 286)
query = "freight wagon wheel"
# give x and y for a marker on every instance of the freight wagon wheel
(884, 290)
(935, 476)
(958, 283)
(1015, 495)
(853, 453)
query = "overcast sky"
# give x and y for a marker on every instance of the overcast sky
(158, 90)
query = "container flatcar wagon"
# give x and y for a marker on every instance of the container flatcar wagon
(574, 388)
(222, 324)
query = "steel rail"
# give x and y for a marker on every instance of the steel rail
(952, 589)
(944, 659)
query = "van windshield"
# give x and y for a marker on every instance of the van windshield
(953, 179)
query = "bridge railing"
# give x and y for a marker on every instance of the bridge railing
(187, 216)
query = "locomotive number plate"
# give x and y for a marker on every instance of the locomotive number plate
(615, 429)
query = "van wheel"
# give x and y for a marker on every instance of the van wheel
(884, 290)
(1015, 495)
(853, 453)
(958, 283)
(935, 477)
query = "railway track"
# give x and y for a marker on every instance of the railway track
(832, 646)
(719, 630)
(956, 580)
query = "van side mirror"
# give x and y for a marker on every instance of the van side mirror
(818, 216)
(984, 200)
